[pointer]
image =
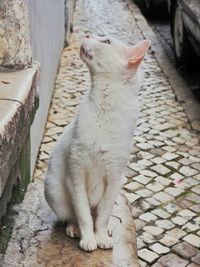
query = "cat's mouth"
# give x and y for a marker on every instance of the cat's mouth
(85, 52)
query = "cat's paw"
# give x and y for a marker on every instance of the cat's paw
(72, 231)
(104, 241)
(88, 244)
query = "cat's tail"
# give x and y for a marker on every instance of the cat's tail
(56, 195)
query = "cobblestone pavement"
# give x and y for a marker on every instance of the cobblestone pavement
(162, 179)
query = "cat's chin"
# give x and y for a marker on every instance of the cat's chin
(85, 53)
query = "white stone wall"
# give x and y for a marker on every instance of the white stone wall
(47, 30)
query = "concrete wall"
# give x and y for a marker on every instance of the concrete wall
(15, 50)
(47, 30)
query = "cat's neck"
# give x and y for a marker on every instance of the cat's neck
(111, 85)
(110, 92)
(103, 86)
(107, 78)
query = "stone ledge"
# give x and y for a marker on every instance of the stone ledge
(18, 103)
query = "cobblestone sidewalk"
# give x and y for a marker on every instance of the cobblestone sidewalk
(163, 176)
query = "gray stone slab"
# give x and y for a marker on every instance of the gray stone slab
(18, 103)
(36, 225)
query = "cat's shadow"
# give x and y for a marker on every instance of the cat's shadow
(56, 249)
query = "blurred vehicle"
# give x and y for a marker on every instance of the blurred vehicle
(149, 7)
(185, 29)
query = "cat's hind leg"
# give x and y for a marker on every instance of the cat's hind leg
(72, 230)
(57, 196)
(58, 199)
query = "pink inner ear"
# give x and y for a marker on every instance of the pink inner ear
(136, 53)
(139, 50)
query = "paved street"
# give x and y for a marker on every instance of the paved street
(161, 27)
(162, 179)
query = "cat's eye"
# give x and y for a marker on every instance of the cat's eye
(107, 41)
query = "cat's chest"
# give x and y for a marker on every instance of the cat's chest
(106, 133)
(107, 125)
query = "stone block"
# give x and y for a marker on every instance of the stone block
(196, 189)
(185, 250)
(170, 156)
(179, 220)
(172, 208)
(131, 197)
(196, 208)
(163, 197)
(193, 265)
(147, 238)
(139, 224)
(172, 260)
(153, 230)
(148, 217)
(15, 48)
(193, 240)
(165, 224)
(133, 186)
(144, 193)
(159, 249)
(196, 259)
(168, 240)
(161, 169)
(176, 233)
(147, 255)
(157, 265)
(155, 187)
(186, 213)
(187, 171)
(174, 191)
(142, 179)
(19, 101)
(161, 213)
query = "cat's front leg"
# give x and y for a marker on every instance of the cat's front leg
(104, 210)
(82, 210)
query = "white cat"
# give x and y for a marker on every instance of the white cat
(87, 163)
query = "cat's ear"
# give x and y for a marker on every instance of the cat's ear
(137, 53)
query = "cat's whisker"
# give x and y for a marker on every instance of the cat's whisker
(87, 52)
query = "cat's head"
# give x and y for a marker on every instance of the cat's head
(108, 55)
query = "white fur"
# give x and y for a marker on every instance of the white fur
(87, 163)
